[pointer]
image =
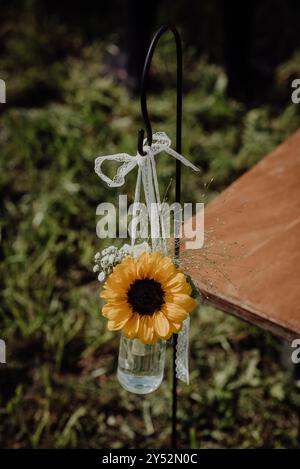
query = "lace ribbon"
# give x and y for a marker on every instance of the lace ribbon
(147, 177)
(182, 352)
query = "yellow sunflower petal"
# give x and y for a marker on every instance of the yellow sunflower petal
(116, 325)
(126, 271)
(141, 329)
(116, 303)
(164, 270)
(177, 284)
(116, 313)
(129, 262)
(161, 325)
(151, 336)
(146, 330)
(131, 328)
(111, 295)
(147, 263)
(117, 283)
(142, 265)
(175, 327)
(154, 263)
(156, 258)
(185, 301)
(177, 280)
(175, 313)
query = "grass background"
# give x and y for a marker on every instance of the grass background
(59, 388)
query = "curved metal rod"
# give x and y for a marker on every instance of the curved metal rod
(144, 83)
(145, 115)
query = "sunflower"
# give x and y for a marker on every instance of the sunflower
(148, 298)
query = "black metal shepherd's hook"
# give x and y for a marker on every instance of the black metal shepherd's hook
(145, 115)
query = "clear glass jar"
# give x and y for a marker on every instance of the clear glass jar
(141, 366)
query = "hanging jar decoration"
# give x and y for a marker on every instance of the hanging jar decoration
(147, 296)
(141, 366)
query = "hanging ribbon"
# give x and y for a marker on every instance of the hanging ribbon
(147, 177)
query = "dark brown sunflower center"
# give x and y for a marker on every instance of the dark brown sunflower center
(145, 296)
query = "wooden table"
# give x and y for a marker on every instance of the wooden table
(250, 263)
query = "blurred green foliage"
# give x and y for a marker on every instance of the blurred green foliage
(59, 386)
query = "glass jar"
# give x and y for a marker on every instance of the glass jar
(141, 366)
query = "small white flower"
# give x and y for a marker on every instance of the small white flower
(108, 250)
(97, 256)
(125, 249)
(112, 256)
(101, 276)
(104, 262)
(111, 259)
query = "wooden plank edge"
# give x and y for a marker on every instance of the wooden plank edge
(248, 315)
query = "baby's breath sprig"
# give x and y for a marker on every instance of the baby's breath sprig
(112, 256)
